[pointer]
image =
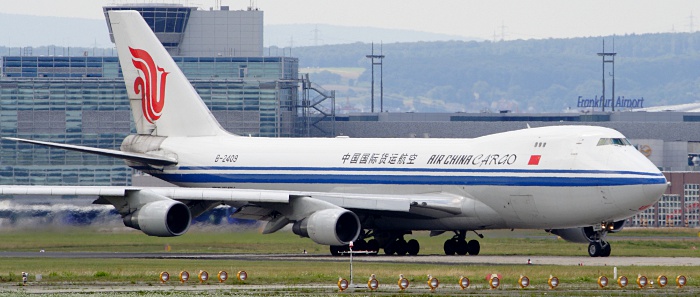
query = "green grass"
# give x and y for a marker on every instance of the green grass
(61, 271)
(633, 242)
(680, 242)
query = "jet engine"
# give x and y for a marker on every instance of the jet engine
(585, 234)
(164, 218)
(329, 227)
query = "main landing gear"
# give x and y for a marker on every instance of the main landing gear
(402, 247)
(459, 245)
(598, 246)
(370, 247)
(393, 243)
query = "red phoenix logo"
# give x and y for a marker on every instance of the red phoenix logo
(151, 86)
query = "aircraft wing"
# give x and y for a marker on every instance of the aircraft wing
(137, 157)
(431, 204)
(187, 194)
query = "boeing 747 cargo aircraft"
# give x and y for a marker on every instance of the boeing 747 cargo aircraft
(579, 182)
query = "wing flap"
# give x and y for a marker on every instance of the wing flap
(364, 201)
(429, 204)
(226, 195)
(202, 194)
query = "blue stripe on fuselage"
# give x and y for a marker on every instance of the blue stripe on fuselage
(372, 169)
(408, 179)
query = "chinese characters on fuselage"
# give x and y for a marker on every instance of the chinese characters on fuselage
(410, 159)
(379, 158)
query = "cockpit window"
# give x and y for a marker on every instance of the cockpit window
(614, 141)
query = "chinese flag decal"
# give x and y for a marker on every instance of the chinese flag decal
(534, 160)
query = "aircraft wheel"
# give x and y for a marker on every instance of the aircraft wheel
(473, 247)
(401, 247)
(359, 245)
(462, 247)
(594, 249)
(373, 246)
(335, 250)
(450, 247)
(413, 247)
(389, 249)
(606, 250)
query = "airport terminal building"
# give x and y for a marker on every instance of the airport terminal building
(81, 100)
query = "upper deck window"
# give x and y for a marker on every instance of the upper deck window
(615, 141)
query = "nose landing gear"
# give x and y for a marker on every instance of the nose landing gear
(599, 247)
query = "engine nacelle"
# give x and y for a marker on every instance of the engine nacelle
(164, 218)
(585, 234)
(329, 227)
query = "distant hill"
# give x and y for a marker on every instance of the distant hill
(28, 30)
(522, 75)
(450, 75)
(296, 35)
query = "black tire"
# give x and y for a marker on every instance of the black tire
(473, 247)
(359, 245)
(413, 247)
(606, 250)
(462, 247)
(389, 249)
(594, 249)
(373, 246)
(450, 247)
(335, 250)
(401, 247)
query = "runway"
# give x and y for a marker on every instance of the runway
(427, 259)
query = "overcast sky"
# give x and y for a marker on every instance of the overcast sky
(516, 19)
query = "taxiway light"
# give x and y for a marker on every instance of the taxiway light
(494, 282)
(372, 283)
(222, 276)
(184, 276)
(203, 276)
(342, 284)
(622, 281)
(602, 281)
(553, 282)
(681, 281)
(463, 282)
(642, 281)
(433, 282)
(662, 281)
(164, 277)
(403, 282)
(242, 275)
(523, 281)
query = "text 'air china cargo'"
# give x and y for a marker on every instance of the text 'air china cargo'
(579, 182)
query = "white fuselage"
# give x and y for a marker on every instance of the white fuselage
(551, 177)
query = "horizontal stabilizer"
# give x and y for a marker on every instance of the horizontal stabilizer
(137, 157)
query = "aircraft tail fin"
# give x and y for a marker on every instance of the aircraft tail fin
(163, 101)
